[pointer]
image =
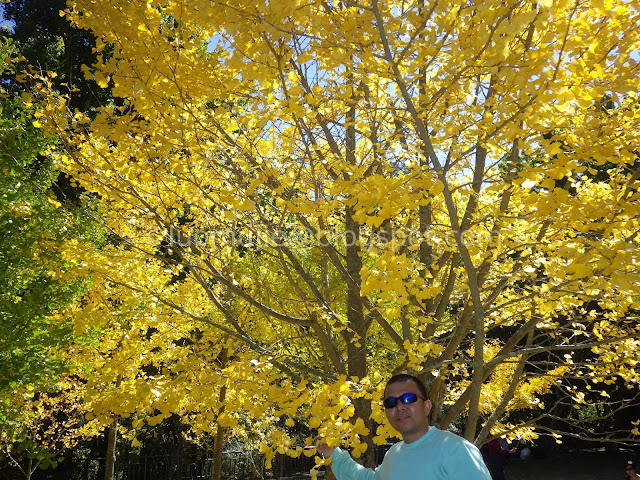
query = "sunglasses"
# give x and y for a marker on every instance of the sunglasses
(405, 399)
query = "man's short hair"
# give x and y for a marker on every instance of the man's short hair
(405, 377)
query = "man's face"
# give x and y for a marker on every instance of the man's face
(412, 419)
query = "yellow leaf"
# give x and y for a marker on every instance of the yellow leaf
(137, 423)
(155, 420)
(101, 80)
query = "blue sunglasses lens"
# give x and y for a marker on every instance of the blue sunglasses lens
(405, 399)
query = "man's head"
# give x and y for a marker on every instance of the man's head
(630, 468)
(407, 407)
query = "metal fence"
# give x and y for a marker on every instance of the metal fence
(236, 465)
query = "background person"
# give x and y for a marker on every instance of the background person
(631, 471)
(425, 451)
(496, 457)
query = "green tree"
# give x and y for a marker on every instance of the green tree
(38, 289)
(33, 298)
(49, 43)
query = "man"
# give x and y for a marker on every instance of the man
(496, 457)
(425, 452)
(630, 469)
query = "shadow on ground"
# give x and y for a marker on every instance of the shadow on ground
(596, 465)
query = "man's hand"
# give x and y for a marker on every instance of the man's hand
(325, 450)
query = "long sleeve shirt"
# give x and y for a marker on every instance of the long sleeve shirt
(437, 455)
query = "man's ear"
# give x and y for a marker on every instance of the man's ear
(427, 406)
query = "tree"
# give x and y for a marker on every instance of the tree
(339, 189)
(44, 425)
(49, 43)
(38, 289)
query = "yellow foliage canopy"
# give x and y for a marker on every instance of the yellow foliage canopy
(339, 190)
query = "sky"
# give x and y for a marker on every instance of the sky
(3, 22)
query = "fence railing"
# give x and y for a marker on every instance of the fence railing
(236, 465)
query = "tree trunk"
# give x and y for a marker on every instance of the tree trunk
(30, 469)
(110, 463)
(218, 442)
(328, 474)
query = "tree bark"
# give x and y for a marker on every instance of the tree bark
(110, 464)
(218, 442)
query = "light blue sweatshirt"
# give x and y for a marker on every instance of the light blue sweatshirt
(437, 455)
